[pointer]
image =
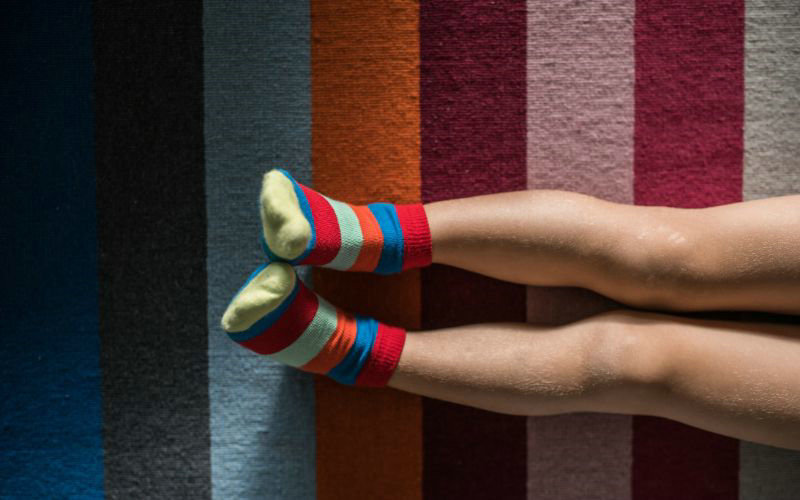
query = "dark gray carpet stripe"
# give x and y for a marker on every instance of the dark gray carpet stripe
(152, 241)
(257, 116)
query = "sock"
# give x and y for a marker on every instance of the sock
(275, 314)
(302, 226)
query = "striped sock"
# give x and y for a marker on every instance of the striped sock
(304, 227)
(275, 314)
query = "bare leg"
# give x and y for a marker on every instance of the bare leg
(708, 374)
(741, 256)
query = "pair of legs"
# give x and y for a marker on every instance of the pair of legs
(738, 379)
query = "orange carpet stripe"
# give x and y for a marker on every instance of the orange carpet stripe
(365, 140)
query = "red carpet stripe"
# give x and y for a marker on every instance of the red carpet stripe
(687, 153)
(365, 148)
(473, 142)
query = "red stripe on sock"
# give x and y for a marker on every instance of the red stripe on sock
(384, 356)
(417, 251)
(292, 323)
(329, 237)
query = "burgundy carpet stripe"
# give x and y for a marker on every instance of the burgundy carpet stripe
(472, 94)
(689, 107)
(689, 102)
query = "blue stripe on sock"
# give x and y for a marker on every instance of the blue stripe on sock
(306, 208)
(252, 277)
(267, 321)
(348, 369)
(391, 260)
(271, 257)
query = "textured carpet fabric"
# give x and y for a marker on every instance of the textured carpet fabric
(136, 138)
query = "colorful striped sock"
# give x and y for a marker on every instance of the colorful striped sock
(302, 226)
(275, 314)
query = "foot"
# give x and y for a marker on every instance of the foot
(287, 232)
(276, 315)
(302, 226)
(263, 292)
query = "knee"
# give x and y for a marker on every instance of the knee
(672, 269)
(631, 358)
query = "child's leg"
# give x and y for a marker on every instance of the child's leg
(737, 379)
(739, 256)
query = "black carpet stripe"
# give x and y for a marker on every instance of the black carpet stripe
(152, 246)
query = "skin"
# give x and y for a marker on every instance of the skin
(733, 378)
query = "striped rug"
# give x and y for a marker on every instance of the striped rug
(135, 134)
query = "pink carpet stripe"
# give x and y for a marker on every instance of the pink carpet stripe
(580, 138)
(580, 97)
(578, 456)
(687, 153)
(327, 227)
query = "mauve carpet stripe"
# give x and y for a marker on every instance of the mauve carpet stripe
(771, 168)
(257, 116)
(687, 153)
(50, 413)
(152, 243)
(580, 138)
(365, 148)
(473, 142)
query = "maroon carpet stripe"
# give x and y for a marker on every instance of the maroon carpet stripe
(473, 129)
(689, 105)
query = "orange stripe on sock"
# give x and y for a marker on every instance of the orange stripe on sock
(370, 253)
(337, 346)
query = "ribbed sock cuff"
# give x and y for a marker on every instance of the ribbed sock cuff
(383, 358)
(417, 245)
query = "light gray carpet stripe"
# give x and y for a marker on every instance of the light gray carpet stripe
(257, 116)
(771, 168)
(772, 99)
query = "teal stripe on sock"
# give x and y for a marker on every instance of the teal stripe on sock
(351, 236)
(312, 340)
